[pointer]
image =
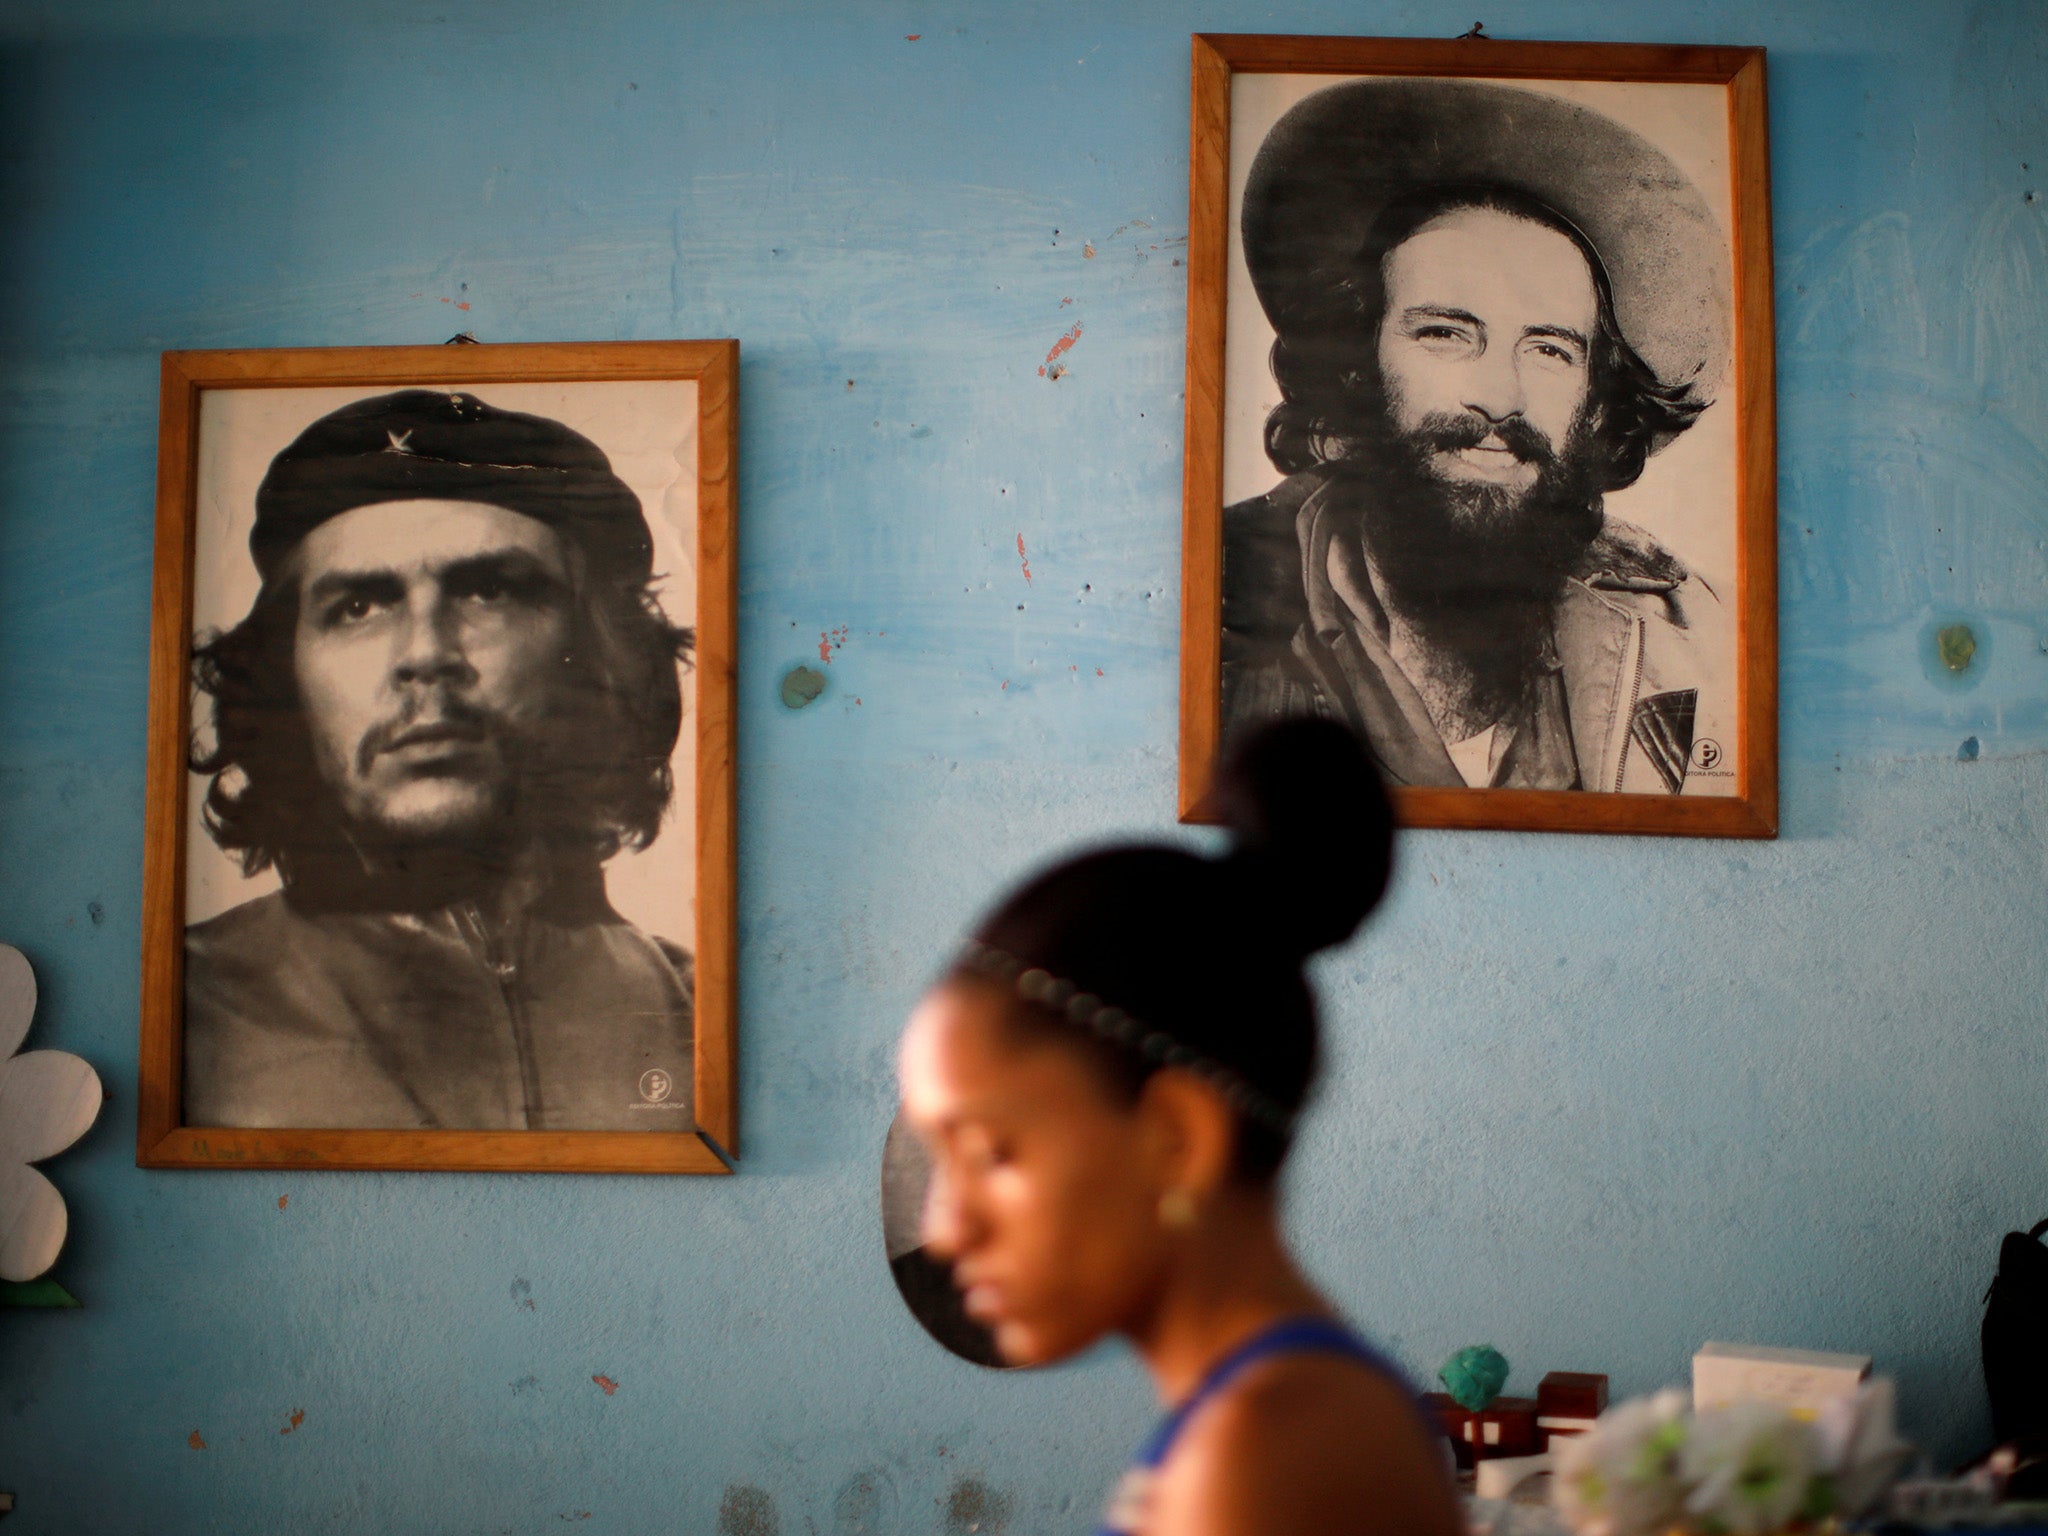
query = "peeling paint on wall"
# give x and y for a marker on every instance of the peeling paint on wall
(1059, 349)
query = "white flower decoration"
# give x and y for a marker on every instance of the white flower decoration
(1751, 1466)
(48, 1099)
(1621, 1478)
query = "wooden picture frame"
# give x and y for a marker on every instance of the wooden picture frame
(1268, 90)
(223, 417)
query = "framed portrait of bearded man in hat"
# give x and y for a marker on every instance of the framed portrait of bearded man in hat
(439, 855)
(1480, 444)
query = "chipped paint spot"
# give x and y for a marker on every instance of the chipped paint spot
(298, 1417)
(606, 1384)
(1059, 349)
(830, 640)
(748, 1511)
(801, 685)
(1098, 671)
(283, 1201)
(1087, 251)
(911, 37)
(1957, 644)
(1023, 559)
(195, 1442)
(1006, 684)
(1967, 752)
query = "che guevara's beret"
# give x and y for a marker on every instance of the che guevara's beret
(427, 444)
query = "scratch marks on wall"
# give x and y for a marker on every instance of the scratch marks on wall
(830, 640)
(748, 1511)
(296, 1418)
(605, 1385)
(1052, 367)
(1023, 559)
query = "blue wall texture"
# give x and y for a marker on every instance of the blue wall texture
(1593, 1100)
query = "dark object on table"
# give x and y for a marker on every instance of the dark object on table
(1567, 1403)
(2015, 1337)
(2015, 1343)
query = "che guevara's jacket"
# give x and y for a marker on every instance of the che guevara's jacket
(316, 1012)
(1622, 699)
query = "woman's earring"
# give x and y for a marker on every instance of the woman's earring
(1177, 1210)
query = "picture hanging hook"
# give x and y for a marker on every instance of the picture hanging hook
(1478, 31)
(462, 339)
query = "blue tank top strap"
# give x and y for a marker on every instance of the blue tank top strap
(1289, 1336)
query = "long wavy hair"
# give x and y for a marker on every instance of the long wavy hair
(601, 782)
(1325, 355)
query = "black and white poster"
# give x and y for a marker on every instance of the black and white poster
(1480, 427)
(439, 815)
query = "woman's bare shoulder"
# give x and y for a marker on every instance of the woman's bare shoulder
(1306, 1445)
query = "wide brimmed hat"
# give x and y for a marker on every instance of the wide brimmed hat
(1336, 159)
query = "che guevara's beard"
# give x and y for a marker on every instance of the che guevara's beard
(1479, 566)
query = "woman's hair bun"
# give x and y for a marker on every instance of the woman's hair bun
(1312, 832)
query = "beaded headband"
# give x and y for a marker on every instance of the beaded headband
(1108, 1022)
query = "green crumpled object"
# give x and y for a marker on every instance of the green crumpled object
(1474, 1376)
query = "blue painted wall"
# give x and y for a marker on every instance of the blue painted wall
(1594, 1100)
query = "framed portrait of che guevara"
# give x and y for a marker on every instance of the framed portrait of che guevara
(439, 853)
(1481, 451)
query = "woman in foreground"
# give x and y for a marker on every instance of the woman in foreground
(1107, 1079)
